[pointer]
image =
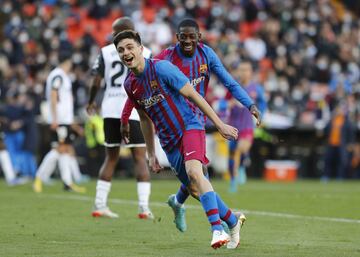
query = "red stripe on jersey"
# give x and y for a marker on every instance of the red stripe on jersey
(197, 65)
(171, 104)
(206, 81)
(172, 107)
(176, 60)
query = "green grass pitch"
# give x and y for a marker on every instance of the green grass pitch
(306, 218)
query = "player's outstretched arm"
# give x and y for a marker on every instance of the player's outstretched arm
(225, 130)
(148, 131)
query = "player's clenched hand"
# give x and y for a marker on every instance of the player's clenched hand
(256, 113)
(91, 108)
(155, 165)
(228, 132)
(125, 132)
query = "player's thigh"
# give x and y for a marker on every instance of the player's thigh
(138, 153)
(177, 164)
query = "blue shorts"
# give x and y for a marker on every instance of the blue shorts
(177, 163)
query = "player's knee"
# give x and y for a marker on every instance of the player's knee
(193, 191)
(195, 176)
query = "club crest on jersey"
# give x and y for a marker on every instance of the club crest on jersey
(203, 68)
(154, 85)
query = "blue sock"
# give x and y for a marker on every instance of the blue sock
(182, 194)
(209, 203)
(225, 213)
(241, 175)
(231, 167)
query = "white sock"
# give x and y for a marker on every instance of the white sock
(48, 165)
(102, 191)
(143, 190)
(177, 203)
(6, 166)
(64, 167)
(75, 169)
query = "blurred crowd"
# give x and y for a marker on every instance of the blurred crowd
(306, 54)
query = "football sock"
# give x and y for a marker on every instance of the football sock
(48, 165)
(143, 190)
(182, 194)
(102, 191)
(75, 169)
(225, 213)
(241, 175)
(65, 171)
(209, 204)
(6, 166)
(231, 167)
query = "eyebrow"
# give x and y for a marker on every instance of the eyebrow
(128, 44)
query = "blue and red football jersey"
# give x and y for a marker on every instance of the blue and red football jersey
(156, 91)
(198, 68)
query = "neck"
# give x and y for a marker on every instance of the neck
(140, 67)
(66, 66)
(245, 82)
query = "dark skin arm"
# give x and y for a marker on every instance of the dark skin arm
(95, 86)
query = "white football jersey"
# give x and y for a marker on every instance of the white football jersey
(114, 74)
(60, 81)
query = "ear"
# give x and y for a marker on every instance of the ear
(199, 36)
(178, 36)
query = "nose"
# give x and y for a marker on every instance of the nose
(126, 51)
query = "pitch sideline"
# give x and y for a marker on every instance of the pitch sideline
(189, 206)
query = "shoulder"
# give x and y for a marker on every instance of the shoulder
(57, 72)
(108, 48)
(146, 52)
(206, 49)
(164, 54)
(161, 64)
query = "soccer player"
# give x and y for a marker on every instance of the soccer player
(240, 117)
(5, 161)
(61, 121)
(197, 61)
(109, 67)
(160, 92)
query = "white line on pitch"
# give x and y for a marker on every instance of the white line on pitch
(189, 206)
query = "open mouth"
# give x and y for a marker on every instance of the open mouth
(188, 47)
(128, 60)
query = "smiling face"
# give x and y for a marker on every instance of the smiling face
(188, 38)
(130, 53)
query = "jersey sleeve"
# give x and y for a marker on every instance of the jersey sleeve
(261, 101)
(56, 82)
(229, 82)
(171, 75)
(129, 106)
(162, 55)
(131, 99)
(98, 67)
